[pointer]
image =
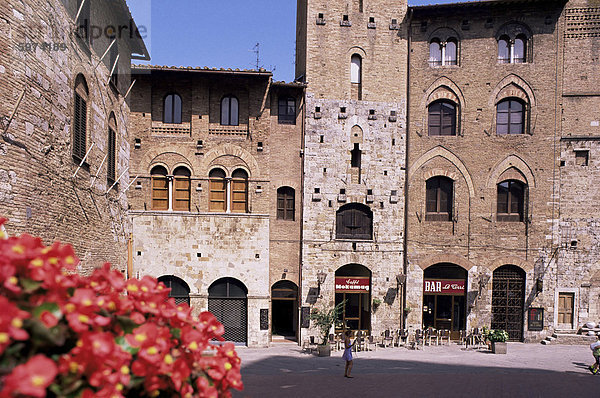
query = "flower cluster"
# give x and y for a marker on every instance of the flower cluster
(62, 334)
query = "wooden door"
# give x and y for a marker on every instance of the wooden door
(565, 308)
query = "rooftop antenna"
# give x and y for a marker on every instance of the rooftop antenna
(256, 50)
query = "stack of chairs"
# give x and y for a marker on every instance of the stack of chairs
(388, 338)
(432, 335)
(444, 335)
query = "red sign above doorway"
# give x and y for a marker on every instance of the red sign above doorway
(352, 284)
(443, 286)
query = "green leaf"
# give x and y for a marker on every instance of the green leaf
(125, 346)
(29, 285)
(126, 324)
(52, 308)
(176, 333)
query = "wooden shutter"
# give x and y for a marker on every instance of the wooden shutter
(160, 192)
(79, 127)
(239, 194)
(181, 193)
(217, 192)
(110, 171)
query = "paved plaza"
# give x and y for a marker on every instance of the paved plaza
(527, 370)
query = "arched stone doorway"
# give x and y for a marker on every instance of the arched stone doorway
(444, 298)
(284, 309)
(353, 286)
(227, 300)
(508, 300)
(179, 289)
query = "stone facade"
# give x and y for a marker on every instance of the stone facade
(354, 153)
(40, 60)
(199, 245)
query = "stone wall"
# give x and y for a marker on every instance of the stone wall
(329, 138)
(40, 60)
(476, 159)
(255, 247)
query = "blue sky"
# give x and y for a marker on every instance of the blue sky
(222, 34)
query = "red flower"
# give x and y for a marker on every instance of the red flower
(32, 378)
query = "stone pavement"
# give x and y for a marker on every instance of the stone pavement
(527, 370)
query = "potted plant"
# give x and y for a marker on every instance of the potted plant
(376, 303)
(324, 319)
(498, 338)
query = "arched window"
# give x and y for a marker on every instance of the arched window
(354, 221)
(512, 51)
(172, 109)
(439, 197)
(181, 189)
(511, 201)
(229, 111)
(442, 53)
(239, 191)
(450, 52)
(160, 188)
(519, 50)
(510, 116)
(435, 53)
(504, 50)
(287, 110)
(81, 93)
(285, 203)
(179, 289)
(356, 77)
(442, 118)
(111, 159)
(217, 196)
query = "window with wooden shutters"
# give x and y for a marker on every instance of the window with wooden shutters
(217, 187)
(439, 197)
(181, 189)
(239, 191)
(80, 118)
(510, 116)
(112, 150)
(229, 111)
(160, 188)
(511, 201)
(172, 109)
(354, 221)
(442, 118)
(285, 203)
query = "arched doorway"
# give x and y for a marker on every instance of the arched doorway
(508, 300)
(444, 298)
(227, 300)
(353, 286)
(284, 309)
(179, 289)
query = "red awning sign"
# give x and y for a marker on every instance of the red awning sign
(352, 284)
(440, 286)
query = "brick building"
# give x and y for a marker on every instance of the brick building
(216, 203)
(67, 103)
(492, 107)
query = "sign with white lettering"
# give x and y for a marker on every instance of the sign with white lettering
(352, 284)
(444, 286)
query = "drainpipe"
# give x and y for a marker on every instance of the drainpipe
(405, 243)
(129, 272)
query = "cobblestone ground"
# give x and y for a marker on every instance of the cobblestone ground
(527, 370)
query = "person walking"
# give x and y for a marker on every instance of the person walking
(347, 356)
(595, 347)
